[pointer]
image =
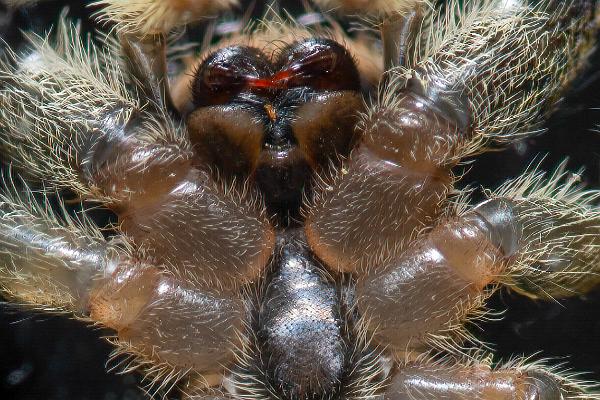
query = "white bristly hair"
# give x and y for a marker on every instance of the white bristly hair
(560, 224)
(56, 99)
(155, 16)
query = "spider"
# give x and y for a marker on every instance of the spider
(283, 231)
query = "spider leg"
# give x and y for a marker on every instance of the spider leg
(478, 380)
(47, 262)
(55, 263)
(459, 98)
(147, 65)
(399, 35)
(69, 120)
(540, 236)
(375, 7)
(71, 124)
(425, 296)
(552, 234)
(158, 16)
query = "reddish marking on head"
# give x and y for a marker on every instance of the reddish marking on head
(275, 81)
(322, 64)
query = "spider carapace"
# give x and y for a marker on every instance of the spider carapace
(286, 231)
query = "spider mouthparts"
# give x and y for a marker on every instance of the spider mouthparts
(282, 173)
(271, 112)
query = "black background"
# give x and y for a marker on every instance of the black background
(50, 357)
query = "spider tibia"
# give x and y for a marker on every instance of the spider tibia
(155, 16)
(552, 229)
(46, 259)
(370, 7)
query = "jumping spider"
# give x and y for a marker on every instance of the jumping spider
(283, 231)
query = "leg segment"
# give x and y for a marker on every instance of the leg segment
(147, 64)
(158, 16)
(426, 296)
(71, 124)
(395, 184)
(517, 381)
(550, 229)
(542, 46)
(539, 236)
(47, 263)
(399, 35)
(68, 119)
(455, 102)
(169, 321)
(362, 7)
(69, 267)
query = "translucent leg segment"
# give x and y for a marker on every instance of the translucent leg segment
(46, 261)
(72, 124)
(478, 381)
(158, 16)
(394, 185)
(429, 292)
(169, 321)
(66, 266)
(549, 229)
(542, 45)
(453, 103)
(540, 236)
(371, 8)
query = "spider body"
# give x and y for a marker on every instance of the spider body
(282, 235)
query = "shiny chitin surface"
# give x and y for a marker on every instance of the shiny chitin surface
(301, 324)
(206, 286)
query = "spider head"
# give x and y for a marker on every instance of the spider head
(276, 120)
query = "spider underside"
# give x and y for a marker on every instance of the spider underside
(286, 230)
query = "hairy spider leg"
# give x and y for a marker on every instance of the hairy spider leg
(455, 102)
(54, 263)
(478, 380)
(128, 153)
(175, 302)
(539, 236)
